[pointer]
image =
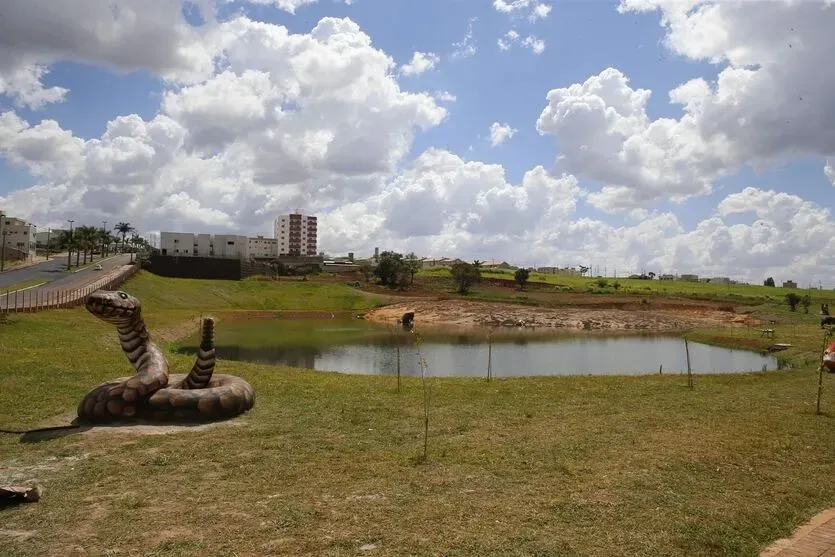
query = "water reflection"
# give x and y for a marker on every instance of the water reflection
(365, 349)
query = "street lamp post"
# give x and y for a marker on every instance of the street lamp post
(3, 251)
(3, 234)
(103, 236)
(32, 236)
(69, 251)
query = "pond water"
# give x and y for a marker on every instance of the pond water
(360, 347)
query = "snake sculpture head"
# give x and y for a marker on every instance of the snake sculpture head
(116, 308)
(152, 393)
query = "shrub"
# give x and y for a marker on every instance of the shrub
(792, 299)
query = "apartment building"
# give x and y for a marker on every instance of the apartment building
(17, 237)
(204, 245)
(51, 236)
(263, 247)
(296, 234)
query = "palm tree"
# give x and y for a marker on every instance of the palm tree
(108, 240)
(123, 228)
(87, 239)
(136, 241)
(65, 240)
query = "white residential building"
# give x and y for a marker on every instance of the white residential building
(296, 234)
(18, 237)
(204, 245)
(53, 236)
(263, 247)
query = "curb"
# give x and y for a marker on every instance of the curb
(10, 292)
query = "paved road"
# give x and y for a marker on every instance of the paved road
(69, 286)
(47, 270)
(54, 271)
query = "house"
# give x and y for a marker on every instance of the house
(497, 265)
(690, 278)
(187, 244)
(789, 284)
(51, 236)
(436, 262)
(17, 238)
(261, 247)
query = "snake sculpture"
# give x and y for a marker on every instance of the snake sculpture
(152, 393)
(829, 357)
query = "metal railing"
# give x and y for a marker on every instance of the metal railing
(38, 299)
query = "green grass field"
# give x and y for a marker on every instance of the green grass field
(159, 293)
(742, 293)
(325, 463)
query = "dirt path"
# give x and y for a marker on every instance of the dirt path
(463, 313)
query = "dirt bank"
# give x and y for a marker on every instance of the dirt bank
(465, 313)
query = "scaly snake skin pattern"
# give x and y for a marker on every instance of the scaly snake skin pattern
(153, 394)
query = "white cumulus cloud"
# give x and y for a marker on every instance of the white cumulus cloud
(499, 133)
(512, 37)
(255, 120)
(768, 104)
(421, 62)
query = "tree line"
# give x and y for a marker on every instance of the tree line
(396, 270)
(85, 241)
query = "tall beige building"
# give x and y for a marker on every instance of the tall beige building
(296, 234)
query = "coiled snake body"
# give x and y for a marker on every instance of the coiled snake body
(153, 393)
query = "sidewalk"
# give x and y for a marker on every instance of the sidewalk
(816, 538)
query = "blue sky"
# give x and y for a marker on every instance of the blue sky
(582, 39)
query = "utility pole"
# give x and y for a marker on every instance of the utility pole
(3, 233)
(103, 236)
(48, 234)
(69, 251)
(32, 236)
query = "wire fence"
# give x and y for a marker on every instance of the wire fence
(38, 299)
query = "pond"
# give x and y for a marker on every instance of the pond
(360, 347)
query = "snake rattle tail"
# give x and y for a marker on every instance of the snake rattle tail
(201, 373)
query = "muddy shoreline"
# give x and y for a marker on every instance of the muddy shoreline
(464, 313)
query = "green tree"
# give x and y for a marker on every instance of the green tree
(412, 266)
(367, 270)
(521, 276)
(806, 301)
(465, 275)
(86, 237)
(792, 299)
(123, 228)
(136, 243)
(769, 282)
(388, 269)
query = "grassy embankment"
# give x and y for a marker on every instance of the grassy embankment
(12, 288)
(324, 463)
(739, 293)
